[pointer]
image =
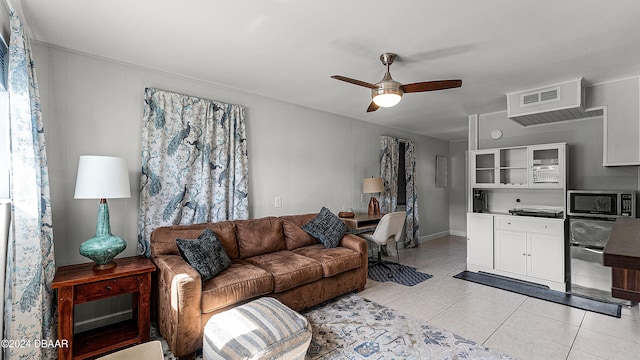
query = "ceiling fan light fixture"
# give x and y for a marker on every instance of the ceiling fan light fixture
(387, 100)
(386, 97)
(388, 92)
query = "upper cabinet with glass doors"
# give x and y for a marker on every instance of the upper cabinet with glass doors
(536, 166)
(547, 165)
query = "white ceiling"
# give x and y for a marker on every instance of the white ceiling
(287, 50)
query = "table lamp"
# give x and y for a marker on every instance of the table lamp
(102, 177)
(371, 186)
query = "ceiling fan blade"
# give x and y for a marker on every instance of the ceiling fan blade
(354, 81)
(372, 107)
(431, 86)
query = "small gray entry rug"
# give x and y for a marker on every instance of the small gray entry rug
(398, 273)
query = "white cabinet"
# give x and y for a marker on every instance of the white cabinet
(511, 251)
(547, 166)
(484, 168)
(536, 166)
(621, 125)
(545, 255)
(480, 240)
(530, 247)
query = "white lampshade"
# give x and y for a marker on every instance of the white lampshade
(102, 177)
(387, 100)
(372, 185)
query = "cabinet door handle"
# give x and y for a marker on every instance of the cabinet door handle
(523, 254)
(108, 287)
(545, 226)
(528, 254)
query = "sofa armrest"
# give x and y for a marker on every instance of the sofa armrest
(360, 245)
(356, 243)
(179, 298)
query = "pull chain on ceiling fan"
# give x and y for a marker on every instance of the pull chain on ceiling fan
(388, 92)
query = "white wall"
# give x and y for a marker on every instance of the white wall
(458, 187)
(584, 137)
(311, 158)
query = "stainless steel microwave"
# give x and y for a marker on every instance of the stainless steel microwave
(604, 204)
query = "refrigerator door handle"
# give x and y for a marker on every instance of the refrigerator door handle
(594, 250)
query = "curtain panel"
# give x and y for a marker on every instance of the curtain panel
(389, 162)
(194, 163)
(389, 159)
(413, 221)
(29, 300)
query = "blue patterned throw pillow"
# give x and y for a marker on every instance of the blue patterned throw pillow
(205, 254)
(326, 227)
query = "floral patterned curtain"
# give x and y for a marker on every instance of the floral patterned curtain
(412, 227)
(389, 172)
(194, 163)
(29, 300)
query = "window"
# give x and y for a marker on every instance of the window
(402, 175)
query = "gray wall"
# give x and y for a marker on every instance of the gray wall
(458, 187)
(584, 138)
(310, 158)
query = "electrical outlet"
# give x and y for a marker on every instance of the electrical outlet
(278, 202)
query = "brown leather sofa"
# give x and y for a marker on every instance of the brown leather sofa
(270, 256)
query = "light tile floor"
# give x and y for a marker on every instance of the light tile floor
(515, 324)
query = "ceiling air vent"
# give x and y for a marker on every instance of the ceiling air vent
(548, 104)
(540, 96)
(530, 99)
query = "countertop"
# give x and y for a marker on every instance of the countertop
(623, 248)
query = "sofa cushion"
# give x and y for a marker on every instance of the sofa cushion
(295, 237)
(163, 239)
(326, 227)
(334, 261)
(259, 236)
(239, 282)
(205, 254)
(288, 269)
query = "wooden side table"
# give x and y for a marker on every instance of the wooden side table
(79, 284)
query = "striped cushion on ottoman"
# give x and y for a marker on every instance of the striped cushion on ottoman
(261, 329)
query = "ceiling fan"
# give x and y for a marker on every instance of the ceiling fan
(388, 92)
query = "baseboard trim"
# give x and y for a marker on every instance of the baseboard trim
(442, 234)
(434, 236)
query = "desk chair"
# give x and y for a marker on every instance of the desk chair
(389, 229)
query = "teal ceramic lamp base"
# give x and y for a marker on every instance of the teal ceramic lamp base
(103, 247)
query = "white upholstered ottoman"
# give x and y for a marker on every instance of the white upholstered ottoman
(261, 329)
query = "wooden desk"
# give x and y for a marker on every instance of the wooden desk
(79, 284)
(622, 254)
(362, 223)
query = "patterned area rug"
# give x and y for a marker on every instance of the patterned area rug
(352, 327)
(401, 274)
